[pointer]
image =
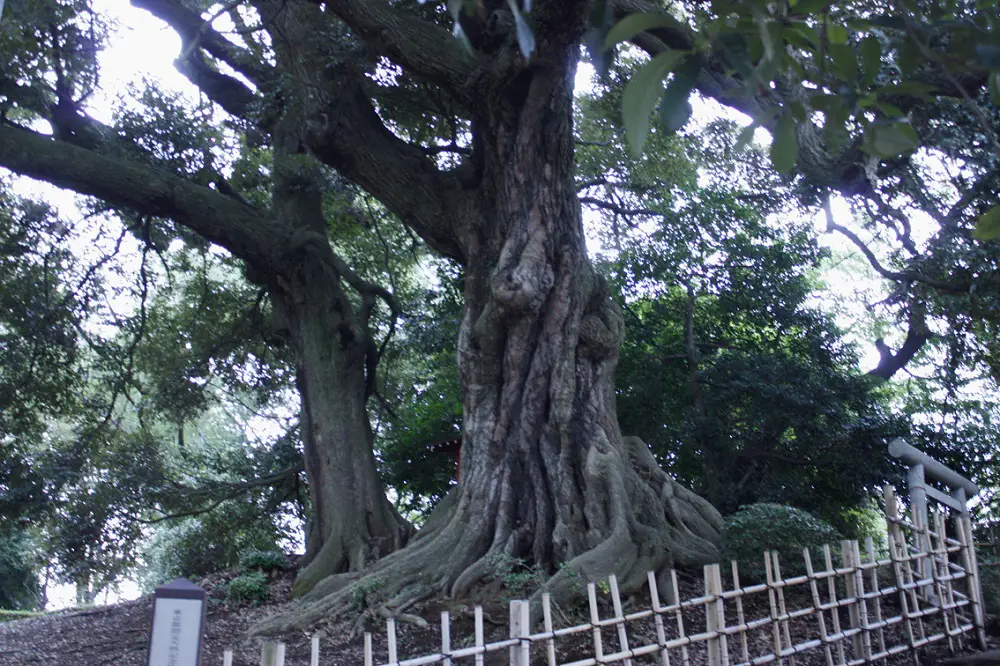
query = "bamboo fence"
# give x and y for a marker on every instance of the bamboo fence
(865, 605)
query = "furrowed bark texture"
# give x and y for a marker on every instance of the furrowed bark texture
(546, 474)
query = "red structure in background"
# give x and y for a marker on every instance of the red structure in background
(450, 447)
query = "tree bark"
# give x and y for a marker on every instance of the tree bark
(352, 523)
(547, 476)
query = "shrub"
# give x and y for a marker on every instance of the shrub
(785, 529)
(266, 561)
(516, 576)
(863, 522)
(248, 588)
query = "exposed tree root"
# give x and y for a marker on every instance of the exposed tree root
(642, 521)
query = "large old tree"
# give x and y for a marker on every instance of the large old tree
(353, 86)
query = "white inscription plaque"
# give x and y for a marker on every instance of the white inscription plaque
(175, 639)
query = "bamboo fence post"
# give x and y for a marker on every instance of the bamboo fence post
(939, 555)
(314, 651)
(851, 588)
(520, 627)
(661, 635)
(715, 617)
(445, 638)
(676, 591)
(970, 564)
(916, 609)
(897, 544)
(550, 642)
(227, 658)
(831, 588)
(818, 605)
(740, 616)
(595, 619)
(479, 635)
(390, 628)
(775, 629)
(859, 578)
(949, 580)
(782, 609)
(616, 601)
(876, 588)
(916, 481)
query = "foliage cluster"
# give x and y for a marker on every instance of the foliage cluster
(250, 587)
(758, 528)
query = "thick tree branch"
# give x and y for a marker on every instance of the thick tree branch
(422, 48)
(616, 209)
(194, 31)
(917, 335)
(220, 219)
(350, 137)
(226, 91)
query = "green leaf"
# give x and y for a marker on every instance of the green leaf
(871, 59)
(988, 225)
(674, 112)
(890, 110)
(784, 146)
(891, 140)
(675, 109)
(908, 57)
(837, 34)
(994, 84)
(640, 95)
(824, 101)
(845, 62)
(525, 37)
(893, 22)
(633, 24)
(745, 137)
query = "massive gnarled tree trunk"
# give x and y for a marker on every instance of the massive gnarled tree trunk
(546, 475)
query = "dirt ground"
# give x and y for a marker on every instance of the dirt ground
(118, 635)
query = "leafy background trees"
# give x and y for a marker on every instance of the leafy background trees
(151, 425)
